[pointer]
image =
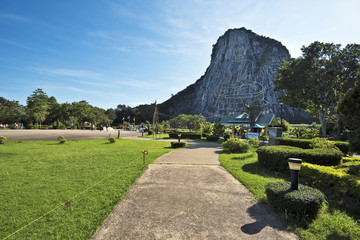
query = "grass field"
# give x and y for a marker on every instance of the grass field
(331, 223)
(78, 184)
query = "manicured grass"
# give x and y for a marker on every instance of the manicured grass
(331, 222)
(94, 175)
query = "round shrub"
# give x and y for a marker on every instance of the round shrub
(112, 140)
(254, 142)
(177, 144)
(235, 145)
(3, 140)
(301, 204)
(62, 139)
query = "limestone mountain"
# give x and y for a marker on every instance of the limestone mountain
(242, 68)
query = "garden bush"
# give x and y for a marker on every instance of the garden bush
(328, 176)
(212, 138)
(275, 157)
(344, 147)
(235, 145)
(3, 139)
(177, 144)
(264, 138)
(186, 135)
(350, 159)
(62, 139)
(301, 204)
(112, 140)
(294, 142)
(255, 143)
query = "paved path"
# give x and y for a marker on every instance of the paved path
(186, 194)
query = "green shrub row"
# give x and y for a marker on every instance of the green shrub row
(177, 144)
(276, 157)
(328, 176)
(212, 138)
(186, 135)
(304, 203)
(344, 147)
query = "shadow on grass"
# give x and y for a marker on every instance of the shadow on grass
(256, 168)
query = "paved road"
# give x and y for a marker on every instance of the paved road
(186, 194)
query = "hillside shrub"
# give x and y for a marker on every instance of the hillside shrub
(212, 138)
(177, 144)
(112, 140)
(3, 140)
(62, 140)
(340, 181)
(235, 145)
(301, 204)
(275, 157)
(344, 147)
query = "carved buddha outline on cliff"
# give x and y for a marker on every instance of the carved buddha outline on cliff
(238, 88)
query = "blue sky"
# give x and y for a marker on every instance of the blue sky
(137, 51)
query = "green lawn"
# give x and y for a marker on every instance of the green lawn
(37, 177)
(332, 223)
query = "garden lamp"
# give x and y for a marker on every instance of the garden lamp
(294, 165)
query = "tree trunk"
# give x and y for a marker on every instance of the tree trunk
(323, 122)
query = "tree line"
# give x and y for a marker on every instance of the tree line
(40, 109)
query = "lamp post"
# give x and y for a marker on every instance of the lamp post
(294, 165)
(281, 105)
(179, 136)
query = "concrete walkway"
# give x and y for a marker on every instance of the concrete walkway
(186, 194)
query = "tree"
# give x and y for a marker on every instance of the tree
(38, 105)
(350, 108)
(253, 112)
(11, 111)
(319, 78)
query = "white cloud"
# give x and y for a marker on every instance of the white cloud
(64, 72)
(13, 17)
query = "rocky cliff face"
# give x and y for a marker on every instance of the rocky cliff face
(243, 65)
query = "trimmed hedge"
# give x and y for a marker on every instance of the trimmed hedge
(276, 157)
(330, 177)
(177, 144)
(344, 147)
(304, 203)
(186, 135)
(212, 138)
(294, 142)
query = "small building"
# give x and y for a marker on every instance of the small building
(242, 119)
